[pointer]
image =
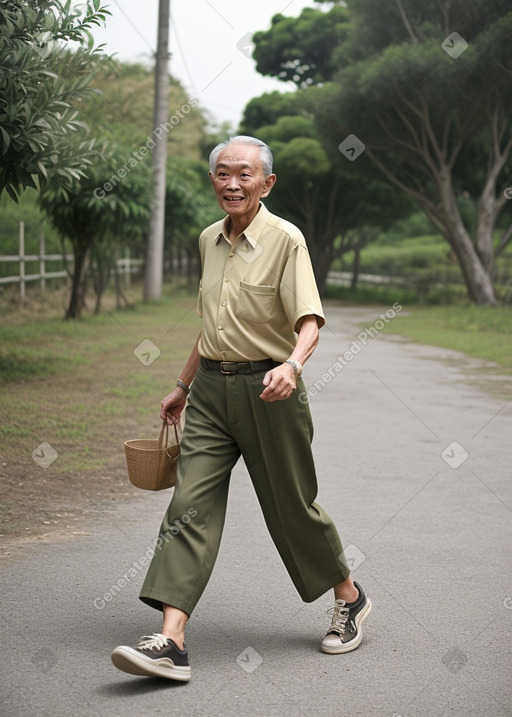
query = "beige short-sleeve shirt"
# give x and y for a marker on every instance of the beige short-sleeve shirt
(254, 291)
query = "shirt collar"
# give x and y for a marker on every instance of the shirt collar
(253, 231)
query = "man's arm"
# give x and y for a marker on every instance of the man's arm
(280, 381)
(173, 404)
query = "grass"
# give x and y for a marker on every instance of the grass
(482, 332)
(39, 346)
(425, 271)
(365, 295)
(387, 295)
(416, 253)
(78, 384)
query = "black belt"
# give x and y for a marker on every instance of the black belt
(229, 368)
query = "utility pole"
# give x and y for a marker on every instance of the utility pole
(153, 275)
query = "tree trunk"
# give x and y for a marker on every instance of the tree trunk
(478, 281)
(476, 276)
(445, 214)
(485, 221)
(101, 274)
(78, 285)
(190, 266)
(121, 300)
(356, 266)
(179, 260)
(322, 261)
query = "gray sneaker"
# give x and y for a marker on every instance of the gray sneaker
(346, 630)
(154, 656)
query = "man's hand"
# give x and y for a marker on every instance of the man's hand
(279, 383)
(172, 406)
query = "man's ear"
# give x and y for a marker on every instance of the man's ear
(269, 183)
(211, 176)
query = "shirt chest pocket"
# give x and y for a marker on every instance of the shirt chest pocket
(255, 302)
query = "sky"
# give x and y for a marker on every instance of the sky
(209, 44)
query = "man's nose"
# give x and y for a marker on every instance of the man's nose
(233, 182)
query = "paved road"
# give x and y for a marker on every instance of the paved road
(428, 536)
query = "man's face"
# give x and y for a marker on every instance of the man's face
(239, 181)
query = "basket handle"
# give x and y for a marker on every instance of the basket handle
(165, 429)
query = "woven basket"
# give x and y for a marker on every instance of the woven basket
(152, 462)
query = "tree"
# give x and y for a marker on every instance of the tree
(191, 206)
(122, 111)
(118, 111)
(110, 204)
(301, 48)
(333, 209)
(40, 85)
(432, 109)
(121, 108)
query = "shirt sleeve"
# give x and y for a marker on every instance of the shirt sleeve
(298, 289)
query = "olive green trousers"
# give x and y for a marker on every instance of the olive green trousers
(226, 419)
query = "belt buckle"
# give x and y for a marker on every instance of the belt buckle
(228, 363)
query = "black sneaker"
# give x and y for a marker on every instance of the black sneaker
(155, 656)
(346, 630)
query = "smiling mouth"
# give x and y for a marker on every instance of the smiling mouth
(234, 199)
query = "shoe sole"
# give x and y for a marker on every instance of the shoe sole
(129, 660)
(356, 641)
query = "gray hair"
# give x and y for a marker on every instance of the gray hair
(265, 152)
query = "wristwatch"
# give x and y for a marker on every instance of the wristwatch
(297, 367)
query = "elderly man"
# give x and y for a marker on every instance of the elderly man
(260, 314)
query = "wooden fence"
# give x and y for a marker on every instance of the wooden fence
(125, 266)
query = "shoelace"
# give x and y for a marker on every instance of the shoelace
(152, 642)
(340, 614)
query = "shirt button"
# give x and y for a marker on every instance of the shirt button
(224, 303)
(227, 278)
(219, 327)
(231, 253)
